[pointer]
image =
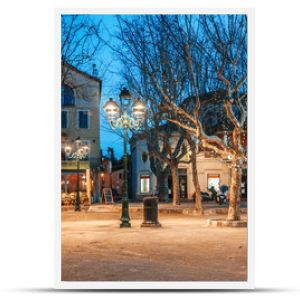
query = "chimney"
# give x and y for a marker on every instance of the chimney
(95, 70)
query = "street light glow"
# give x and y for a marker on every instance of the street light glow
(68, 150)
(138, 109)
(111, 109)
(77, 155)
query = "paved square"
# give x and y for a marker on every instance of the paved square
(94, 248)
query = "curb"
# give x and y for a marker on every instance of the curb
(162, 210)
(225, 223)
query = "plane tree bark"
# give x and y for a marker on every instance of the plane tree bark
(193, 159)
(169, 151)
(146, 55)
(225, 47)
(172, 60)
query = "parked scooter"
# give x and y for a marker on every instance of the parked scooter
(222, 197)
(219, 198)
(212, 196)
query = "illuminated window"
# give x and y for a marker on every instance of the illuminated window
(145, 184)
(213, 181)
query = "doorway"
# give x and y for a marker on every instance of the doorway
(182, 186)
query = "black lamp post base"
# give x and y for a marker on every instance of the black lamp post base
(125, 225)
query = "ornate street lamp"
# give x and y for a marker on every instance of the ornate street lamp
(80, 153)
(119, 117)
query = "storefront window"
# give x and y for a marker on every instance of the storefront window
(213, 181)
(145, 184)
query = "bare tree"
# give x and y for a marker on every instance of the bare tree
(167, 148)
(174, 60)
(153, 69)
(223, 42)
(80, 42)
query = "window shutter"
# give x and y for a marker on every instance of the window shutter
(64, 119)
(83, 119)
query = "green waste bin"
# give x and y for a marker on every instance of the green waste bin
(150, 212)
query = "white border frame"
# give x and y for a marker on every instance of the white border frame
(130, 285)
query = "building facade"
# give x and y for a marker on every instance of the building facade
(211, 171)
(106, 173)
(117, 179)
(80, 103)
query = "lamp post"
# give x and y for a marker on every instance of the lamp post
(126, 116)
(80, 153)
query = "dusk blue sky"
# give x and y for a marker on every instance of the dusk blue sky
(109, 70)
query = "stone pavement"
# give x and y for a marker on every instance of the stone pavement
(94, 248)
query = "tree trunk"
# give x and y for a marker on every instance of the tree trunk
(175, 190)
(162, 182)
(234, 194)
(198, 199)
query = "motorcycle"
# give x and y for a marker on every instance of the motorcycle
(214, 196)
(222, 197)
(219, 198)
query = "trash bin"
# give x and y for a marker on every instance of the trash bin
(150, 212)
